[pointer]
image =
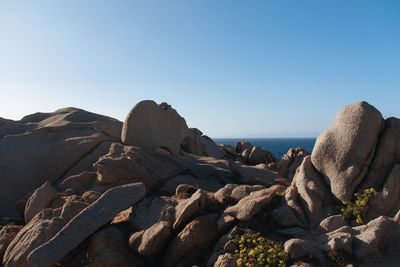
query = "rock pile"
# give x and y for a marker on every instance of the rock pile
(81, 189)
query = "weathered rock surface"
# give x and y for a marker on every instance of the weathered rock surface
(38, 231)
(7, 234)
(191, 242)
(289, 163)
(198, 144)
(39, 200)
(249, 206)
(127, 164)
(150, 126)
(149, 242)
(343, 152)
(259, 174)
(46, 146)
(309, 198)
(108, 247)
(387, 154)
(387, 201)
(89, 220)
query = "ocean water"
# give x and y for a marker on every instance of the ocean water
(278, 146)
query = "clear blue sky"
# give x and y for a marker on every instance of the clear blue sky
(230, 68)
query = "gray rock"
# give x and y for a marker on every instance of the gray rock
(289, 163)
(259, 174)
(386, 155)
(387, 201)
(39, 200)
(332, 223)
(38, 231)
(126, 164)
(150, 126)
(198, 144)
(191, 243)
(242, 146)
(343, 152)
(150, 241)
(88, 221)
(226, 260)
(186, 209)
(249, 206)
(45, 147)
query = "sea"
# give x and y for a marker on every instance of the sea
(277, 146)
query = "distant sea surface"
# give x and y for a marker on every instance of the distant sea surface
(278, 146)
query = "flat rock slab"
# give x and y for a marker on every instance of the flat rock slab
(87, 222)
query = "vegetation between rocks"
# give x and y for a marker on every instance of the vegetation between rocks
(254, 250)
(356, 209)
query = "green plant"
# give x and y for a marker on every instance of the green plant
(253, 250)
(357, 208)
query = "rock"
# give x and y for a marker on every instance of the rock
(242, 146)
(170, 185)
(298, 248)
(343, 152)
(151, 210)
(39, 200)
(259, 174)
(226, 260)
(89, 220)
(107, 247)
(7, 234)
(191, 243)
(150, 126)
(372, 238)
(258, 155)
(198, 144)
(90, 196)
(126, 164)
(245, 154)
(65, 138)
(387, 201)
(244, 190)
(225, 222)
(185, 189)
(214, 173)
(249, 206)
(313, 195)
(289, 163)
(386, 155)
(332, 223)
(149, 242)
(78, 183)
(228, 149)
(38, 231)
(190, 207)
(224, 194)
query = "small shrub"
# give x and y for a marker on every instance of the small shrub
(357, 208)
(253, 250)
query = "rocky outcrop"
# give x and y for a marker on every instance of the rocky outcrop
(249, 206)
(127, 164)
(150, 126)
(7, 234)
(89, 220)
(308, 197)
(45, 147)
(38, 231)
(191, 242)
(289, 162)
(343, 152)
(39, 200)
(198, 144)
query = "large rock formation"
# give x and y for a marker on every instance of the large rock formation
(150, 126)
(191, 209)
(45, 147)
(344, 151)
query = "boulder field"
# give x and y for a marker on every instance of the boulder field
(82, 189)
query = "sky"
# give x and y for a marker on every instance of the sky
(231, 68)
